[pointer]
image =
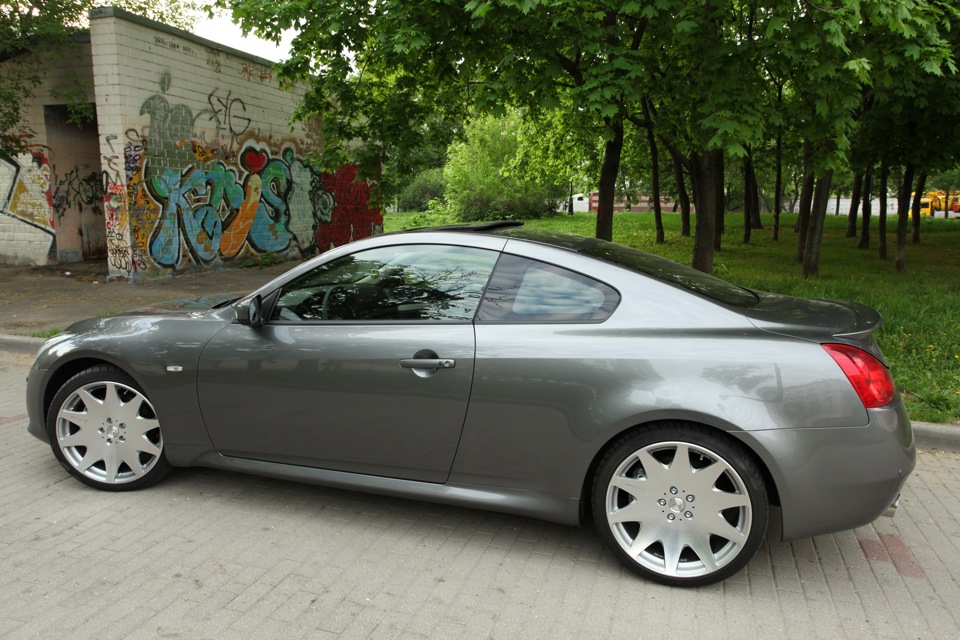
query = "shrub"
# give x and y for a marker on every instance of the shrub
(482, 182)
(426, 186)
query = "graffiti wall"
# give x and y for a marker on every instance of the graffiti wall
(195, 164)
(27, 227)
(51, 198)
(202, 188)
(214, 178)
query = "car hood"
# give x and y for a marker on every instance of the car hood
(189, 305)
(206, 308)
(817, 320)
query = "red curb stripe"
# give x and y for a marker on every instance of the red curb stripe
(5, 420)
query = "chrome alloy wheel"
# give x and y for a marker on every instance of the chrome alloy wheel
(108, 432)
(678, 509)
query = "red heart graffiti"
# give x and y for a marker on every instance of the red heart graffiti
(254, 160)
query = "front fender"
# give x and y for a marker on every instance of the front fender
(159, 352)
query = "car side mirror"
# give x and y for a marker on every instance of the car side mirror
(250, 312)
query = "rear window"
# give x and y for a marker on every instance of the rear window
(648, 264)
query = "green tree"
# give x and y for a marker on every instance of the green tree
(484, 180)
(705, 70)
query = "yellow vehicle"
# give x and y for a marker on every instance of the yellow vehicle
(934, 201)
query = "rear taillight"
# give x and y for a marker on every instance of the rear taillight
(869, 377)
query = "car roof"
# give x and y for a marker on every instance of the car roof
(516, 230)
(475, 227)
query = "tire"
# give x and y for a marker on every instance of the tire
(105, 432)
(679, 504)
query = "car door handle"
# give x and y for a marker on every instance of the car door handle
(428, 363)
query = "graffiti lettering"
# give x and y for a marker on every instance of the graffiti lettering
(176, 46)
(201, 187)
(255, 72)
(25, 190)
(229, 112)
(213, 59)
(79, 190)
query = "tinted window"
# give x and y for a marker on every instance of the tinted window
(410, 282)
(524, 290)
(641, 262)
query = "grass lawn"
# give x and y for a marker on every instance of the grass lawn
(921, 335)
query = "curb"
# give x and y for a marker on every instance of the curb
(937, 436)
(926, 434)
(20, 344)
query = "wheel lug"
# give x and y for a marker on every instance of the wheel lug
(689, 498)
(100, 431)
(123, 439)
(662, 502)
(123, 425)
(670, 516)
(688, 514)
(673, 490)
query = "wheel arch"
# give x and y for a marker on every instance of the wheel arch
(67, 370)
(586, 490)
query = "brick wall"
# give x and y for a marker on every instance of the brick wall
(50, 187)
(198, 164)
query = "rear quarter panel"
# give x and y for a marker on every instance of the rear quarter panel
(547, 398)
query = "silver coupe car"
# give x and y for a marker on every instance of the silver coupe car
(501, 367)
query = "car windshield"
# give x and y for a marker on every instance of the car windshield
(641, 262)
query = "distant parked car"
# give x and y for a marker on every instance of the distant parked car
(506, 368)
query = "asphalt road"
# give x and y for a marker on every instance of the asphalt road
(210, 554)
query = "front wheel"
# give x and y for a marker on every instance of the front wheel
(680, 505)
(105, 432)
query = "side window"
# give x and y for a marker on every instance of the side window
(409, 282)
(524, 290)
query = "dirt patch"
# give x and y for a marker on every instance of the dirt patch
(40, 299)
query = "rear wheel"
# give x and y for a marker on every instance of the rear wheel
(105, 432)
(680, 505)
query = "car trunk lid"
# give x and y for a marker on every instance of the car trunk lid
(817, 320)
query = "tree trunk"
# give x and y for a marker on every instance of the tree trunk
(854, 206)
(882, 221)
(655, 175)
(811, 253)
(903, 213)
(747, 201)
(806, 198)
(720, 228)
(921, 184)
(608, 181)
(682, 195)
(709, 200)
(778, 189)
(754, 193)
(867, 207)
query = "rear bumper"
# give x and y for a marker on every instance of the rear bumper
(838, 478)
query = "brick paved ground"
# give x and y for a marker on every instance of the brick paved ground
(209, 554)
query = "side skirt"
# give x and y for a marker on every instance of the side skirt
(530, 504)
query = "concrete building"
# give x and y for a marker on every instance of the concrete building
(191, 162)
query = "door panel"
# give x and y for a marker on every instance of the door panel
(335, 396)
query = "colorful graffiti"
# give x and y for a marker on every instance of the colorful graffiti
(25, 190)
(203, 187)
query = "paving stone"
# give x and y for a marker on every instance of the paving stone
(209, 554)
